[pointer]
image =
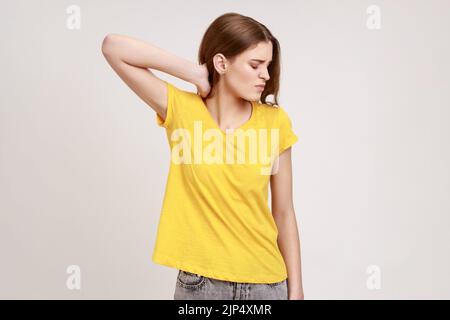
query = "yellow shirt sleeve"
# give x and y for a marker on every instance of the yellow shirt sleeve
(286, 134)
(173, 94)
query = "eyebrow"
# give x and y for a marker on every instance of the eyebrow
(259, 60)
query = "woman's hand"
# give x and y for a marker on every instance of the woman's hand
(296, 297)
(202, 83)
(296, 294)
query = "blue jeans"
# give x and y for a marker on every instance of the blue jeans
(191, 286)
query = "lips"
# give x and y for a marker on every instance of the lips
(260, 86)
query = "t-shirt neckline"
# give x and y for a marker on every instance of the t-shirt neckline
(228, 131)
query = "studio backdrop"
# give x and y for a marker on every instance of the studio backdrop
(83, 163)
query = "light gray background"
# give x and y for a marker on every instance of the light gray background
(83, 165)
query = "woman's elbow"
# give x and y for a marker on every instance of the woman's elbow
(108, 43)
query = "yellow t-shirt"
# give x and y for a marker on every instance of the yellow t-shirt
(215, 220)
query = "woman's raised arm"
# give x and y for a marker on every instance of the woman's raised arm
(131, 58)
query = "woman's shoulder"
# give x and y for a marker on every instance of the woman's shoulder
(268, 109)
(267, 113)
(186, 99)
(179, 91)
(271, 114)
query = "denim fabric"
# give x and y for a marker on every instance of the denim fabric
(191, 286)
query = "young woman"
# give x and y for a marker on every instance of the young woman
(227, 143)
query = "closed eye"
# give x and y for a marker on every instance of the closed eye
(255, 67)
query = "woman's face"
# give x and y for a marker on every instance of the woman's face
(248, 70)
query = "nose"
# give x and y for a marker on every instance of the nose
(265, 75)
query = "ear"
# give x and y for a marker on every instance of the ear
(220, 63)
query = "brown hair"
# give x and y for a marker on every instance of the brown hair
(231, 34)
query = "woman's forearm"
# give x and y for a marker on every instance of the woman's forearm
(289, 244)
(146, 55)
